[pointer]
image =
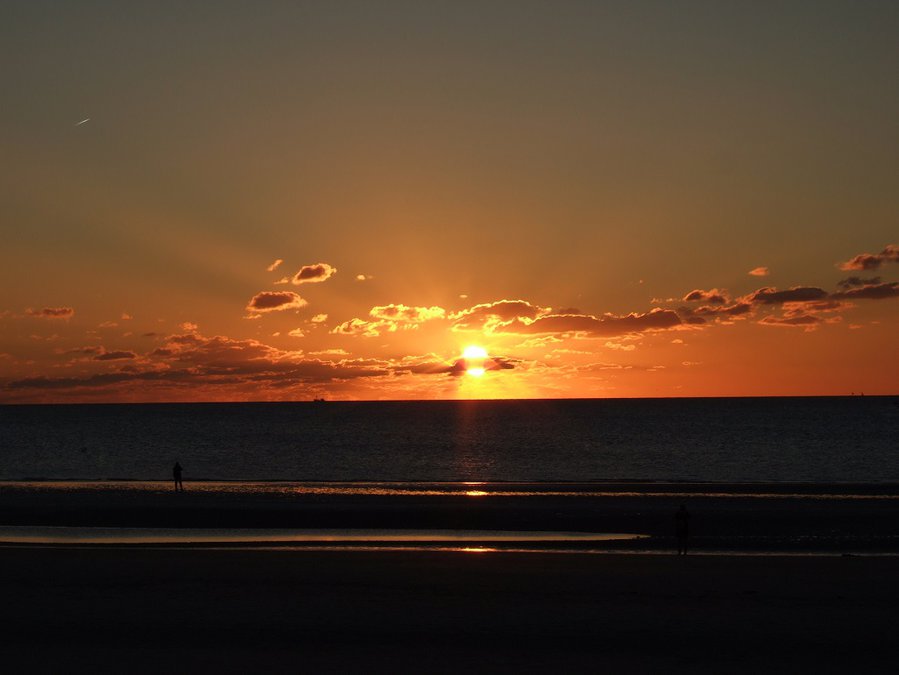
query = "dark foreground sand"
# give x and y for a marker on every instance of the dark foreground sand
(176, 610)
(144, 609)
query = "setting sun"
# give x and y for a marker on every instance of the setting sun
(474, 352)
(475, 358)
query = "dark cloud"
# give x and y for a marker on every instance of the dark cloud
(97, 380)
(852, 282)
(871, 261)
(460, 366)
(218, 361)
(771, 296)
(713, 296)
(800, 303)
(115, 356)
(88, 350)
(313, 274)
(586, 325)
(219, 353)
(698, 315)
(870, 292)
(99, 353)
(456, 368)
(51, 312)
(275, 301)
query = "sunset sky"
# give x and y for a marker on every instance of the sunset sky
(286, 200)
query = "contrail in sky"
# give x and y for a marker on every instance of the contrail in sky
(87, 119)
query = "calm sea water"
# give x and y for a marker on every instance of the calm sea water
(784, 439)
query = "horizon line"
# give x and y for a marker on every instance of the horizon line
(452, 400)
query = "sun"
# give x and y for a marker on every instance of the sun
(474, 352)
(474, 357)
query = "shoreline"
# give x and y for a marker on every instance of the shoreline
(401, 548)
(886, 488)
(856, 518)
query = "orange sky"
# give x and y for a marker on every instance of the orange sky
(225, 203)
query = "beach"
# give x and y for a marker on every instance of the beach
(780, 578)
(145, 610)
(772, 518)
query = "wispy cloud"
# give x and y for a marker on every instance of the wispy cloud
(487, 315)
(389, 319)
(404, 314)
(871, 261)
(363, 328)
(852, 282)
(806, 321)
(330, 352)
(880, 291)
(713, 296)
(51, 312)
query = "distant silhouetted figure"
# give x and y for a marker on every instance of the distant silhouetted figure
(682, 529)
(176, 474)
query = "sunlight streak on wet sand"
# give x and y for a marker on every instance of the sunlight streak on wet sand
(127, 535)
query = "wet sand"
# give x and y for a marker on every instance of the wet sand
(731, 517)
(146, 610)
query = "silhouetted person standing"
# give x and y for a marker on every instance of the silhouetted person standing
(176, 474)
(682, 529)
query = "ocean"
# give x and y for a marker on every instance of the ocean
(828, 440)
